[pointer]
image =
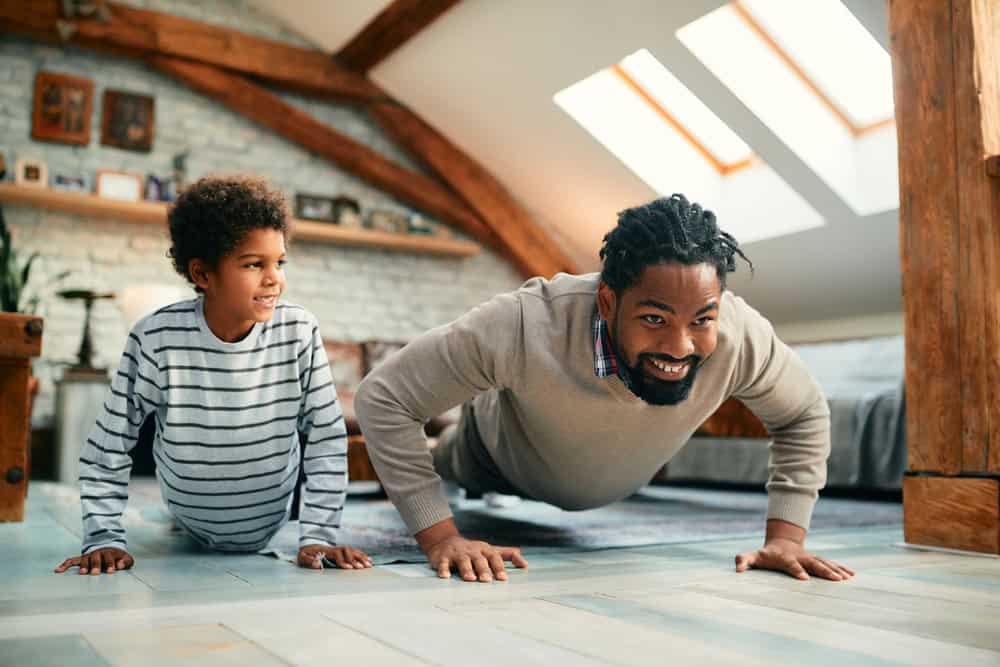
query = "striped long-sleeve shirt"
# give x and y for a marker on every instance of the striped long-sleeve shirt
(228, 423)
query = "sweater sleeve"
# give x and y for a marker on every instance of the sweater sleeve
(777, 386)
(104, 461)
(441, 369)
(324, 456)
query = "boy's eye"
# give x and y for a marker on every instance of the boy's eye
(282, 262)
(252, 265)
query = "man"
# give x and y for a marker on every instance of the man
(578, 389)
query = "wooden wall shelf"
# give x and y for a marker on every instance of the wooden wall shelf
(156, 212)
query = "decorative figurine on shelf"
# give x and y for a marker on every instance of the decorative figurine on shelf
(156, 188)
(180, 174)
(85, 355)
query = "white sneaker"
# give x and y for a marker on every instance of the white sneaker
(500, 500)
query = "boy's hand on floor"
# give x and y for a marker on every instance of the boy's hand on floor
(346, 558)
(107, 560)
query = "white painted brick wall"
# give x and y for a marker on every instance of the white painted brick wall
(358, 294)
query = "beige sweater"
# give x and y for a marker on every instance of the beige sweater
(565, 436)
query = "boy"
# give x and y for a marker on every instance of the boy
(232, 377)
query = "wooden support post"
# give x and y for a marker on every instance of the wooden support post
(20, 339)
(946, 67)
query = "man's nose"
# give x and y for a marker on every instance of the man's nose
(676, 343)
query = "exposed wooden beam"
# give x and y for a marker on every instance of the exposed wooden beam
(946, 55)
(139, 32)
(389, 30)
(478, 187)
(269, 110)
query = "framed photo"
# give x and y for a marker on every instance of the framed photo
(387, 221)
(314, 207)
(70, 182)
(62, 108)
(127, 121)
(31, 172)
(119, 185)
(347, 212)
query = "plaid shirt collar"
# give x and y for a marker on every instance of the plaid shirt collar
(605, 361)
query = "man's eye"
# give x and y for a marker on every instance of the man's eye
(702, 321)
(653, 319)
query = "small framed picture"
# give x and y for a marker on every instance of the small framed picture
(314, 207)
(62, 108)
(119, 185)
(70, 182)
(347, 212)
(127, 121)
(31, 172)
(387, 221)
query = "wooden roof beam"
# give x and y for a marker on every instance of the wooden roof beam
(395, 25)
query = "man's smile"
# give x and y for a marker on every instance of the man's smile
(668, 370)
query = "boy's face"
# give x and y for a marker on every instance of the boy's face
(245, 285)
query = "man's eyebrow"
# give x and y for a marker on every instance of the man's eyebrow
(658, 305)
(253, 254)
(711, 306)
(662, 306)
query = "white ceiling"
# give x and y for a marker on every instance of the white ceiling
(485, 73)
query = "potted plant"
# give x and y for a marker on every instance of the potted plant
(16, 311)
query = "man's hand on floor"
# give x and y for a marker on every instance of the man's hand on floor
(792, 559)
(783, 551)
(107, 560)
(474, 560)
(347, 558)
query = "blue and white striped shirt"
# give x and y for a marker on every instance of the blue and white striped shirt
(228, 423)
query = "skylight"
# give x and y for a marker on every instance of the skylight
(650, 121)
(723, 145)
(818, 80)
(834, 51)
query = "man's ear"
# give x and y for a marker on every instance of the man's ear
(607, 301)
(198, 271)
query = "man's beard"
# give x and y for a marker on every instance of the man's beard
(654, 390)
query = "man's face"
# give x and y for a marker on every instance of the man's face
(664, 327)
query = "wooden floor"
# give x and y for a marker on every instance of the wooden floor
(677, 604)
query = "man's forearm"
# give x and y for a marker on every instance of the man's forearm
(435, 534)
(783, 530)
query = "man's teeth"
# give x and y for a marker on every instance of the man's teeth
(668, 369)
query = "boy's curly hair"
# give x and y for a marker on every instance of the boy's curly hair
(212, 216)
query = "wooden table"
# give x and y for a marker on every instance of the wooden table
(20, 340)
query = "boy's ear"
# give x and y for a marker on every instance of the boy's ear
(606, 301)
(198, 271)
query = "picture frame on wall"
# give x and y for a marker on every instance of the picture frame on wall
(62, 108)
(315, 207)
(127, 120)
(347, 212)
(120, 185)
(70, 181)
(387, 221)
(31, 172)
